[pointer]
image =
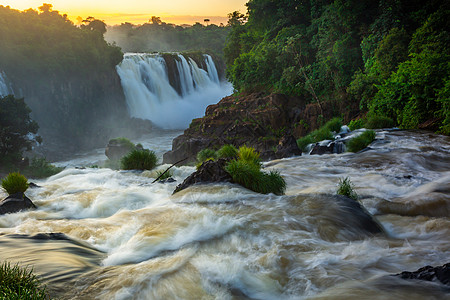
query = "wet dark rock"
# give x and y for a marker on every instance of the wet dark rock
(168, 180)
(33, 185)
(428, 273)
(15, 203)
(287, 147)
(328, 147)
(359, 214)
(210, 171)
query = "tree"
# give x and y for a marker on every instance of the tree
(206, 21)
(17, 129)
(94, 25)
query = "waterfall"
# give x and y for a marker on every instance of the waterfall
(170, 90)
(5, 88)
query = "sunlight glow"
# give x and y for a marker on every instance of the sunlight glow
(140, 11)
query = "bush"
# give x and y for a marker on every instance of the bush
(206, 154)
(376, 122)
(303, 142)
(346, 188)
(334, 124)
(15, 183)
(356, 124)
(20, 283)
(251, 177)
(139, 160)
(249, 155)
(362, 141)
(321, 134)
(41, 168)
(227, 151)
(123, 141)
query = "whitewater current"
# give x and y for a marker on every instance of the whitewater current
(104, 234)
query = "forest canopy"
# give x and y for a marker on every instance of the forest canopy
(390, 57)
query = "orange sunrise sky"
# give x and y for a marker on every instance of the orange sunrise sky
(139, 11)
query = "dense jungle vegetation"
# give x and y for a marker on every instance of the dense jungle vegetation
(158, 36)
(66, 73)
(391, 57)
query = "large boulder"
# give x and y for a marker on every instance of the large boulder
(288, 147)
(15, 203)
(209, 171)
(428, 273)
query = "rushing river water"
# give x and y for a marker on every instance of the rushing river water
(126, 238)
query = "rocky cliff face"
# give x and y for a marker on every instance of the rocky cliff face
(257, 120)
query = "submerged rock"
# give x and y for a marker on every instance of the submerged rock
(209, 171)
(15, 203)
(428, 273)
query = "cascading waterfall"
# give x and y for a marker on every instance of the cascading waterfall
(150, 94)
(5, 87)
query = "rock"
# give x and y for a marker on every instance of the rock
(118, 148)
(33, 185)
(428, 273)
(209, 171)
(287, 147)
(328, 147)
(168, 180)
(15, 203)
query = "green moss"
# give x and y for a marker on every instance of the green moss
(362, 141)
(346, 188)
(139, 160)
(15, 183)
(20, 283)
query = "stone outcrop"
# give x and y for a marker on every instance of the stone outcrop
(268, 123)
(428, 273)
(15, 203)
(209, 171)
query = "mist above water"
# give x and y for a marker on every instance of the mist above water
(150, 95)
(5, 86)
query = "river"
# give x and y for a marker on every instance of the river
(123, 237)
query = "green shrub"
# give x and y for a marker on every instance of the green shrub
(20, 283)
(206, 154)
(249, 155)
(334, 124)
(251, 177)
(41, 168)
(139, 160)
(164, 176)
(375, 122)
(346, 188)
(303, 142)
(321, 134)
(356, 124)
(362, 141)
(227, 151)
(15, 183)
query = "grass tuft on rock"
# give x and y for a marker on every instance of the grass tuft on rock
(164, 176)
(249, 175)
(227, 151)
(139, 160)
(250, 156)
(15, 183)
(206, 154)
(303, 142)
(20, 283)
(346, 188)
(362, 141)
(334, 124)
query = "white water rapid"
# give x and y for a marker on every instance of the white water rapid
(5, 87)
(150, 95)
(126, 238)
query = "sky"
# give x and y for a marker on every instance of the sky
(139, 11)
